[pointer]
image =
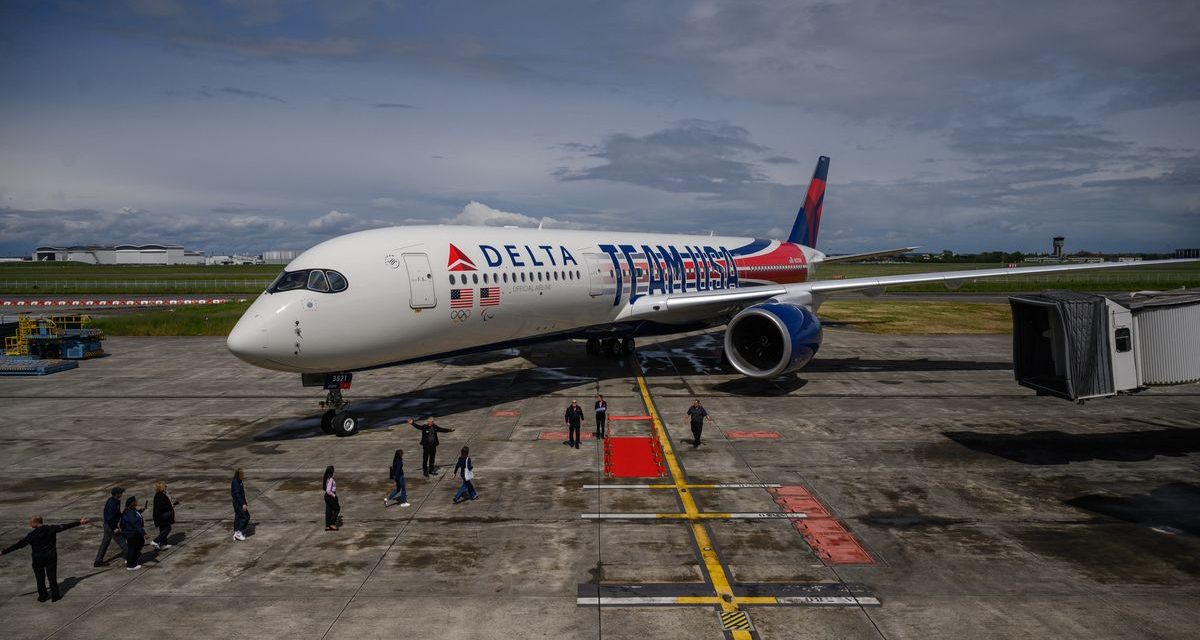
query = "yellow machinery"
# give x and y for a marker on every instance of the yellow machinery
(71, 337)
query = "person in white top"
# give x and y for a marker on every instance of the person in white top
(333, 509)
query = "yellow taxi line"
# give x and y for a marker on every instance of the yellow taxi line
(716, 572)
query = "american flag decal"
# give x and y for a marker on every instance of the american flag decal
(489, 296)
(462, 298)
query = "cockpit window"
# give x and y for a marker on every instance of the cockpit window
(318, 280)
(337, 282)
(288, 281)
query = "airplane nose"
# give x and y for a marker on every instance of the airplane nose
(249, 339)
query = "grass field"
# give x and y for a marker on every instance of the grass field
(211, 320)
(1108, 280)
(51, 278)
(919, 318)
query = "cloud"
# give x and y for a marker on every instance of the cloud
(392, 105)
(694, 156)
(477, 213)
(882, 59)
(209, 92)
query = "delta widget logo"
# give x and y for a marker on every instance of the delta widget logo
(459, 261)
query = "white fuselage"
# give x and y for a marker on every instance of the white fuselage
(413, 293)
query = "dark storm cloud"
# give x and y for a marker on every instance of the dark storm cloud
(695, 156)
(924, 60)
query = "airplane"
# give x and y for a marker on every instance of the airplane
(393, 296)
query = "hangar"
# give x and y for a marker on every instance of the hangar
(120, 254)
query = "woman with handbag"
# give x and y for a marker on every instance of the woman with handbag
(468, 474)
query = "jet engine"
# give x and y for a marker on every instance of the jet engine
(771, 339)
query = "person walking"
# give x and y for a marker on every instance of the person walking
(601, 416)
(43, 542)
(333, 509)
(429, 444)
(133, 527)
(241, 509)
(397, 475)
(697, 415)
(111, 525)
(163, 515)
(574, 418)
(467, 468)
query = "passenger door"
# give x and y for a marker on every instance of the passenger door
(420, 281)
(601, 279)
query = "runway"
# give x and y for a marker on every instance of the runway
(988, 512)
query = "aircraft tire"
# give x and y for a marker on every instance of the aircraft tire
(345, 425)
(610, 346)
(327, 421)
(593, 347)
(627, 346)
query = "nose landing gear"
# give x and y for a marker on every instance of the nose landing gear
(337, 419)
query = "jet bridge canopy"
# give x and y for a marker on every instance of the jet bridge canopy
(1061, 345)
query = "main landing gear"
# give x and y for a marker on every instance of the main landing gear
(610, 346)
(337, 419)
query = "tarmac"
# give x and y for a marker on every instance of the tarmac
(988, 512)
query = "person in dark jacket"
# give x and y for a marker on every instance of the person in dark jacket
(429, 444)
(333, 508)
(43, 541)
(397, 475)
(163, 514)
(697, 415)
(601, 416)
(574, 418)
(241, 509)
(134, 530)
(465, 466)
(111, 524)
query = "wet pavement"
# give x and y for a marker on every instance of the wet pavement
(991, 512)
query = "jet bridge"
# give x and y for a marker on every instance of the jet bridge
(1081, 346)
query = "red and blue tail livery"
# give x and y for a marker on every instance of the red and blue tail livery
(808, 220)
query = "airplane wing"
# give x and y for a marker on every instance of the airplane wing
(686, 306)
(863, 256)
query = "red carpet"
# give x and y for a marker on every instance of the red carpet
(632, 457)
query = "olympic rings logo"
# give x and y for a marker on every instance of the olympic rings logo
(460, 315)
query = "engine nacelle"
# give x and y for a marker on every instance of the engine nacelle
(771, 339)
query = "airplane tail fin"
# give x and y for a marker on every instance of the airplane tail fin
(808, 220)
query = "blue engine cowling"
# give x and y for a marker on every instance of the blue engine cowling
(771, 339)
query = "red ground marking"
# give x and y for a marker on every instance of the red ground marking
(818, 526)
(794, 490)
(632, 457)
(505, 413)
(840, 549)
(562, 435)
(766, 435)
(808, 506)
(611, 418)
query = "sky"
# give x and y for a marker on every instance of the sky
(252, 125)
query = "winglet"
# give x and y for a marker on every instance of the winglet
(808, 220)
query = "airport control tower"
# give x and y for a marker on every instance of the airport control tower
(1058, 247)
